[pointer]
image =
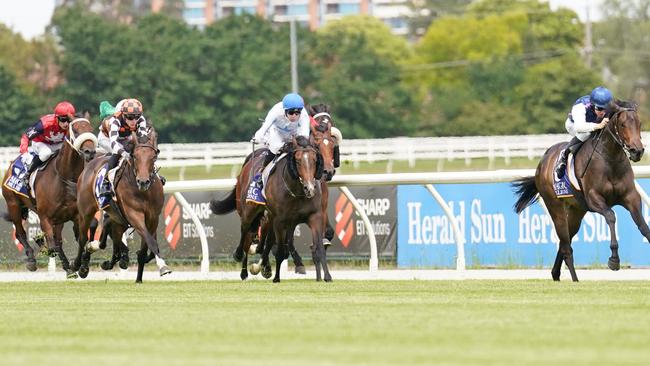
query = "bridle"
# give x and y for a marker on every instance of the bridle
(148, 146)
(616, 135)
(302, 182)
(77, 141)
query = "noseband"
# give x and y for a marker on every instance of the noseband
(77, 141)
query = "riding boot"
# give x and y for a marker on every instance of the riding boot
(105, 188)
(36, 162)
(560, 168)
(254, 194)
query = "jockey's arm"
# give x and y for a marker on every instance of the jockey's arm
(578, 114)
(113, 136)
(304, 122)
(273, 114)
(33, 131)
(142, 126)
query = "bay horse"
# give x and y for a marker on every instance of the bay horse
(293, 196)
(138, 202)
(327, 139)
(55, 198)
(607, 179)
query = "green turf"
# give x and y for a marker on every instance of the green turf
(309, 323)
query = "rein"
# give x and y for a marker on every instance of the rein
(615, 135)
(284, 170)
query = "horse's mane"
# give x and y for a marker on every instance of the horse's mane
(626, 104)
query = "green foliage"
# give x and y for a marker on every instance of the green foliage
(16, 109)
(365, 89)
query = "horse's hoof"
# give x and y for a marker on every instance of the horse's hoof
(83, 271)
(71, 275)
(252, 249)
(300, 270)
(31, 265)
(254, 269)
(124, 263)
(243, 274)
(267, 272)
(106, 265)
(92, 247)
(74, 267)
(238, 256)
(52, 253)
(164, 270)
(276, 280)
(328, 278)
(614, 264)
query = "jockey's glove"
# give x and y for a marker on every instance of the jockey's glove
(126, 155)
(255, 141)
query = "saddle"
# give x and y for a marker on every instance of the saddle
(569, 184)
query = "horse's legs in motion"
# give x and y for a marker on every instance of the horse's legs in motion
(632, 203)
(297, 260)
(318, 250)
(58, 238)
(282, 250)
(15, 215)
(50, 231)
(267, 240)
(598, 204)
(118, 245)
(147, 230)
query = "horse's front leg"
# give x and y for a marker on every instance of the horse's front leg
(632, 203)
(49, 230)
(297, 260)
(318, 252)
(147, 232)
(58, 238)
(597, 203)
(281, 239)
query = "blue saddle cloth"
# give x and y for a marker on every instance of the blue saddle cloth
(254, 193)
(102, 201)
(14, 181)
(562, 186)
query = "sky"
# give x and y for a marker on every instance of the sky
(29, 17)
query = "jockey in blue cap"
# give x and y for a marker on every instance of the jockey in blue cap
(286, 120)
(587, 115)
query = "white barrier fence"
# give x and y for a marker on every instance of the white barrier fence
(343, 181)
(408, 149)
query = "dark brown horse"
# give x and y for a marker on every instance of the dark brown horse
(54, 188)
(607, 180)
(293, 196)
(138, 202)
(327, 139)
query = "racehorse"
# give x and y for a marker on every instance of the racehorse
(293, 196)
(55, 198)
(138, 202)
(327, 139)
(606, 180)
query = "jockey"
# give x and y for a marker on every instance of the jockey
(583, 119)
(47, 136)
(286, 120)
(128, 118)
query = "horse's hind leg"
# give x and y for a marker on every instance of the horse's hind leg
(559, 216)
(318, 252)
(58, 239)
(282, 250)
(574, 219)
(15, 215)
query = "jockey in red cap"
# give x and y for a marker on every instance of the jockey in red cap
(47, 136)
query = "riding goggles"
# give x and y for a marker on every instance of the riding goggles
(293, 111)
(132, 116)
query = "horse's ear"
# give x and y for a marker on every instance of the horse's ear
(87, 115)
(310, 110)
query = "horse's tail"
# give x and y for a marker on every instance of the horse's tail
(526, 190)
(224, 206)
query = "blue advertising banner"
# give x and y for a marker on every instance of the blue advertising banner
(497, 237)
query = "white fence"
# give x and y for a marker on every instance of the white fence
(363, 150)
(426, 179)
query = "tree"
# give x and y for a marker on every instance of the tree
(17, 109)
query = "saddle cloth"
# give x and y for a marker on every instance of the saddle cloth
(18, 171)
(568, 184)
(103, 201)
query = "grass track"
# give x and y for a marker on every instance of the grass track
(309, 323)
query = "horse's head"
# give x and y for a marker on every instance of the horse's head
(625, 128)
(325, 137)
(145, 153)
(305, 164)
(82, 138)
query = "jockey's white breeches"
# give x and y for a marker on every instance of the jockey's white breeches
(45, 150)
(570, 127)
(275, 140)
(104, 142)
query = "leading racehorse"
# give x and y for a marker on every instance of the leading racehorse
(138, 202)
(606, 180)
(293, 196)
(54, 187)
